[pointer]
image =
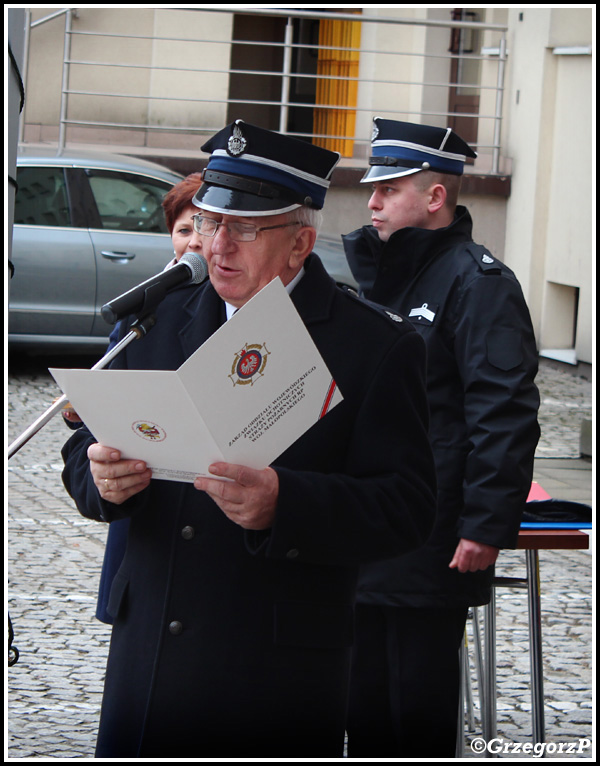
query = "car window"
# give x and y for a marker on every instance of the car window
(41, 198)
(129, 202)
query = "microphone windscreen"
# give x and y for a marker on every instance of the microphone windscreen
(198, 267)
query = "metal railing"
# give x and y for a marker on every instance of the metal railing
(286, 74)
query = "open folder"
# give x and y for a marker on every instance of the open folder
(244, 396)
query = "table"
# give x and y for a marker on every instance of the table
(531, 541)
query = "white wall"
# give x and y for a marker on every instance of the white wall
(203, 93)
(549, 139)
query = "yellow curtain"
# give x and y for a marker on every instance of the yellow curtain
(340, 90)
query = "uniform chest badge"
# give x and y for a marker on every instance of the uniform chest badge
(393, 316)
(249, 364)
(425, 311)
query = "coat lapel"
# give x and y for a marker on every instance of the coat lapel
(313, 295)
(204, 313)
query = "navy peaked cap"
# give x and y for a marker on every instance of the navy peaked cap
(254, 172)
(403, 148)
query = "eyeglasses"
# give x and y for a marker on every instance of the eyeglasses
(238, 231)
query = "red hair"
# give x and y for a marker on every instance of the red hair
(179, 197)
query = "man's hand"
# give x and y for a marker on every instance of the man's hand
(117, 480)
(470, 556)
(248, 499)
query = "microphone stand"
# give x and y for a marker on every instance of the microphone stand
(138, 329)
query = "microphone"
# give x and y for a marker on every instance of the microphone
(191, 268)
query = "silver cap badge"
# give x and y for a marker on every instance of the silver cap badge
(236, 144)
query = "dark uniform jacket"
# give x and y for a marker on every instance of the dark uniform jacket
(231, 643)
(481, 364)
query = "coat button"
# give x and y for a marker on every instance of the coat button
(188, 532)
(175, 628)
(293, 553)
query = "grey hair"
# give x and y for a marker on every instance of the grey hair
(308, 216)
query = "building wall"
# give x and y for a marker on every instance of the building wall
(379, 44)
(570, 214)
(43, 76)
(549, 234)
(203, 93)
(159, 96)
(543, 225)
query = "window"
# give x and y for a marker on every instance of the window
(315, 107)
(465, 74)
(129, 202)
(41, 198)
(339, 44)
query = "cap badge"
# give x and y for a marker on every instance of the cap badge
(375, 132)
(236, 144)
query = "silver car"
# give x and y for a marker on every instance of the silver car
(89, 226)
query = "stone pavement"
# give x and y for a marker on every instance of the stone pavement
(53, 566)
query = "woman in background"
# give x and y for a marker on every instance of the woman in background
(178, 210)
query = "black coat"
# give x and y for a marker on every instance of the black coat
(229, 643)
(481, 364)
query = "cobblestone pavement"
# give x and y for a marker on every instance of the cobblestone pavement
(53, 565)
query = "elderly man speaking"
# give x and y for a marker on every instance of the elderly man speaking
(233, 607)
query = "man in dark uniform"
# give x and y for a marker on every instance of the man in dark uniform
(419, 259)
(233, 607)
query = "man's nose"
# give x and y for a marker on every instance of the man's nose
(222, 241)
(374, 201)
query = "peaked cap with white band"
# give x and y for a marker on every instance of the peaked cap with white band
(402, 148)
(257, 172)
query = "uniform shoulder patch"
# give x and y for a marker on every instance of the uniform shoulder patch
(484, 259)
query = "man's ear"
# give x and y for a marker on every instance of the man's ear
(437, 197)
(304, 242)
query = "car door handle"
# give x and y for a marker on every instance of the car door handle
(113, 255)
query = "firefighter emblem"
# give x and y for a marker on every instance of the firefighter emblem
(236, 144)
(150, 432)
(249, 364)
